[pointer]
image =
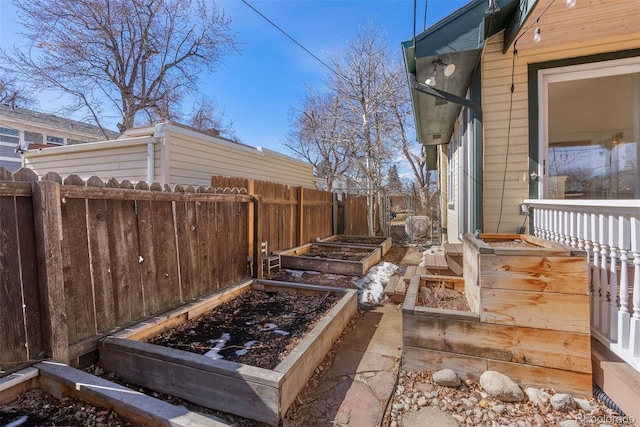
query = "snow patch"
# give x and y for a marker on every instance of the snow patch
(214, 353)
(281, 332)
(372, 285)
(247, 347)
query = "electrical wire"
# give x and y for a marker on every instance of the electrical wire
(295, 41)
(506, 155)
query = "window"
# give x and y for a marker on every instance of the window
(590, 130)
(9, 139)
(55, 140)
(33, 137)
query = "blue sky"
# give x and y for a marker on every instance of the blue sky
(258, 88)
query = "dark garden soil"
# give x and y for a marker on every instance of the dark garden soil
(361, 240)
(257, 328)
(38, 408)
(337, 254)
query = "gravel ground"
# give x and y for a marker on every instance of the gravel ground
(470, 405)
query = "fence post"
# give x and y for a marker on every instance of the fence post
(48, 233)
(300, 216)
(251, 188)
(334, 216)
(258, 273)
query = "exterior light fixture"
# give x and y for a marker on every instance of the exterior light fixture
(493, 7)
(447, 70)
(571, 3)
(536, 35)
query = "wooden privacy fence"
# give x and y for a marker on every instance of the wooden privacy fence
(80, 259)
(287, 216)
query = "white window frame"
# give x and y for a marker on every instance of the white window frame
(571, 73)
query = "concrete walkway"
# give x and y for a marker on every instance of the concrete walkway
(355, 390)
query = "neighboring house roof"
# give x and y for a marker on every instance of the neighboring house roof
(51, 121)
(457, 39)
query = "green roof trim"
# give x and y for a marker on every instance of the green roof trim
(457, 39)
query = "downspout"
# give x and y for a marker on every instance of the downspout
(158, 134)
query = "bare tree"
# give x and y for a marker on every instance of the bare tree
(131, 56)
(206, 118)
(13, 93)
(319, 137)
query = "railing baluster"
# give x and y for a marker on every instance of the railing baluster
(624, 233)
(581, 233)
(605, 315)
(573, 232)
(634, 339)
(613, 278)
(595, 271)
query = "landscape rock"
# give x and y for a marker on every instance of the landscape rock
(447, 378)
(584, 404)
(563, 402)
(536, 396)
(501, 387)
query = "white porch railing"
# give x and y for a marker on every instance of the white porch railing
(609, 230)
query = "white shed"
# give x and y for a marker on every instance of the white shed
(170, 154)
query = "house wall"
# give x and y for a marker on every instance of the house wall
(585, 30)
(453, 209)
(120, 159)
(192, 158)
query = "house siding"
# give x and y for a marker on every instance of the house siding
(193, 160)
(111, 159)
(496, 86)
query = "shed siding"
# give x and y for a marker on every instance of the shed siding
(496, 84)
(129, 162)
(193, 161)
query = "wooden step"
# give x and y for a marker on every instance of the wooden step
(410, 272)
(454, 266)
(453, 249)
(390, 288)
(619, 380)
(435, 262)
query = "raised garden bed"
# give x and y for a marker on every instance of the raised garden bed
(331, 258)
(238, 388)
(54, 394)
(528, 318)
(384, 243)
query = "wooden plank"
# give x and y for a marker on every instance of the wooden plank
(574, 383)
(536, 310)
(218, 384)
(151, 292)
(419, 359)
(390, 288)
(29, 275)
(48, 226)
(132, 405)
(125, 269)
(110, 193)
(461, 335)
(566, 275)
(454, 266)
(165, 254)
(410, 272)
(300, 363)
(471, 275)
(100, 258)
(453, 249)
(412, 295)
(187, 231)
(81, 317)
(437, 278)
(12, 322)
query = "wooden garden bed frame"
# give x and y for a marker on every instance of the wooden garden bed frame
(384, 243)
(248, 391)
(296, 259)
(529, 317)
(60, 380)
